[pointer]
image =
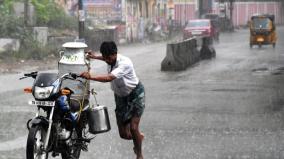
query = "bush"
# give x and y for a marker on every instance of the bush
(11, 26)
(51, 15)
(30, 48)
(47, 14)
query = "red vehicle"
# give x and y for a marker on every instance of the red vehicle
(200, 27)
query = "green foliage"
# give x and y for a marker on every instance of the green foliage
(30, 48)
(50, 14)
(6, 6)
(47, 14)
(11, 26)
(62, 21)
(41, 11)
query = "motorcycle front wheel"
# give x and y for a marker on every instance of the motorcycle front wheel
(74, 154)
(35, 143)
(74, 151)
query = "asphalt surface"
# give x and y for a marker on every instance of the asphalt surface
(230, 107)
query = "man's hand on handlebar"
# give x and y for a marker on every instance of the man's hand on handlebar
(85, 75)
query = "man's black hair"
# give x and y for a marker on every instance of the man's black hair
(108, 48)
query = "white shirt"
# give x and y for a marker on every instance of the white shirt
(126, 79)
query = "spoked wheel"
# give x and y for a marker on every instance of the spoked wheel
(74, 151)
(35, 143)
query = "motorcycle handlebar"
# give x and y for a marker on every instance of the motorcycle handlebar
(32, 74)
(23, 77)
(72, 76)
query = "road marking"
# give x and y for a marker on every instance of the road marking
(13, 144)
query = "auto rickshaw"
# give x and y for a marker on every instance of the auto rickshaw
(262, 30)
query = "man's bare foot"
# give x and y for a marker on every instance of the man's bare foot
(134, 149)
(142, 138)
(139, 157)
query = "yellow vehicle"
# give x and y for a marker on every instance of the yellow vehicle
(262, 30)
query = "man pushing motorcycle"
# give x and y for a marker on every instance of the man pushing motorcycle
(128, 91)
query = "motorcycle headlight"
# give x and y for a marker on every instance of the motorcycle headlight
(42, 92)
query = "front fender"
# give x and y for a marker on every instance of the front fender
(40, 120)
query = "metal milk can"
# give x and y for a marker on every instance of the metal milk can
(73, 60)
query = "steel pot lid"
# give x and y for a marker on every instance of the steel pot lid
(74, 45)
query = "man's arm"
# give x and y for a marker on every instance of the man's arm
(101, 78)
(92, 55)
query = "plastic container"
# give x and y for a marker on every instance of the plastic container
(98, 120)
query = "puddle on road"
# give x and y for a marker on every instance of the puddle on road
(278, 71)
(261, 71)
(266, 71)
(229, 90)
(281, 68)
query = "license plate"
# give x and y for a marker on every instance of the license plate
(42, 103)
(196, 32)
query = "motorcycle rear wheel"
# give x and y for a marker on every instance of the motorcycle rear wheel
(35, 143)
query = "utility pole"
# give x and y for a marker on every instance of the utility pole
(26, 10)
(200, 8)
(81, 17)
(282, 20)
(231, 9)
(185, 18)
(231, 13)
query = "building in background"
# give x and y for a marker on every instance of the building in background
(104, 10)
(70, 6)
(134, 16)
(185, 10)
(243, 10)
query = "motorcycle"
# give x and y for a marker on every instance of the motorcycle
(61, 123)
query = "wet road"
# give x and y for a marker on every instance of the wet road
(230, 107)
